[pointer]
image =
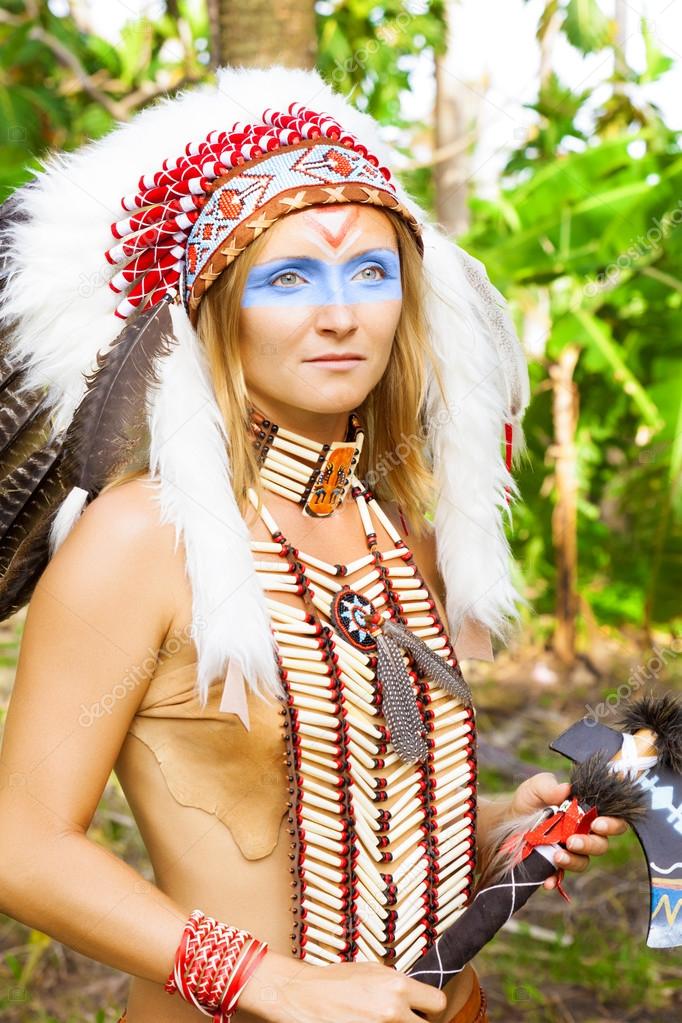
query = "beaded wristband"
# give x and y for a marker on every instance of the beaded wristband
(213, 963)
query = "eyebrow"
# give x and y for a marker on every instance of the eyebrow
(315, 259)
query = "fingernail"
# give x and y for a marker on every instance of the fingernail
(575, 843)
(561, 858)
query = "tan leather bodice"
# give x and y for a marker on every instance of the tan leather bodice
(209, 799)
(209, 760)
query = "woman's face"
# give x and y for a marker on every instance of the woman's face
(327, 283)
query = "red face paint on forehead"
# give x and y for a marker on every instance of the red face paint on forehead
(332, 223)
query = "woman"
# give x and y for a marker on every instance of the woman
(347, 808)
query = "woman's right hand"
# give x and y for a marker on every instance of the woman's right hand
(287, 990)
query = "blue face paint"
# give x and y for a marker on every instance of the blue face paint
(372, 276)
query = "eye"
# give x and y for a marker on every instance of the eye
(287, 274)
(375, 268)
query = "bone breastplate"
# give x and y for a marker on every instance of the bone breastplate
(382, 848)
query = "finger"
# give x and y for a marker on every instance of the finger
(546, 784)
(424, 998)
(571, 861)
(609, 826)
(589, 845)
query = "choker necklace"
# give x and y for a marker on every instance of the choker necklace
(318, 476)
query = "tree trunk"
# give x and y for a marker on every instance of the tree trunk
(455, 115)
(620, 59)
(564, 517)
(262, 32)
(547, 39)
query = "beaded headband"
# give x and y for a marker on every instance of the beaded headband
(194, 217)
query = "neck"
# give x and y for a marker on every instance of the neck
(314, 473)
(320, 427)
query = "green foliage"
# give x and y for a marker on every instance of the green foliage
(591, 235)
(61, 85)
(368, 50)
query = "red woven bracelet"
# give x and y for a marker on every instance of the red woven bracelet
(253, 954)
(213, 963)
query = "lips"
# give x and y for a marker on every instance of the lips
(333, 357)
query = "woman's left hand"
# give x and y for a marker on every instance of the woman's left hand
(544, 790)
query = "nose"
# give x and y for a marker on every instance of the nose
(337, 319)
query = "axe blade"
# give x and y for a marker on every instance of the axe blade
(659, 832)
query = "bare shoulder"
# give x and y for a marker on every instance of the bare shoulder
(130, 514)
(120, 536)
(128, 510)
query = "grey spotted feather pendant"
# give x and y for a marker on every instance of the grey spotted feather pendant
(398, 703)
(356, 619)
(429, 664)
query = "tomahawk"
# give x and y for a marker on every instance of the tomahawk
(635, 774)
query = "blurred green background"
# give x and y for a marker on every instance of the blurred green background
(576, 212)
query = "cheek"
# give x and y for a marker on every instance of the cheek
(266, 332)
(380, 320)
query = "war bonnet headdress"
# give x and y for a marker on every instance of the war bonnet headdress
(130, 231)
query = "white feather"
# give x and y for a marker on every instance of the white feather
(189, 455)
(68, 515)
(473, 552)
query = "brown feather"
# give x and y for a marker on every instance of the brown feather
(21, 490)
(18, 417)
(9, 370)
(105, 432)
(24, 548)
(29, 559)
(23, 414)
(24, 429)
(593, 783)
(107, 426)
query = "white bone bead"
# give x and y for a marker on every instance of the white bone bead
(415, 819)
(319, 909)
(333, 901)
(410, 940)
(410, 957)
(316, 821)
(322, 924)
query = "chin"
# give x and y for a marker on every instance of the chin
(337, 400)
(334, 394)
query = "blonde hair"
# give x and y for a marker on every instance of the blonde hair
(393, 461)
